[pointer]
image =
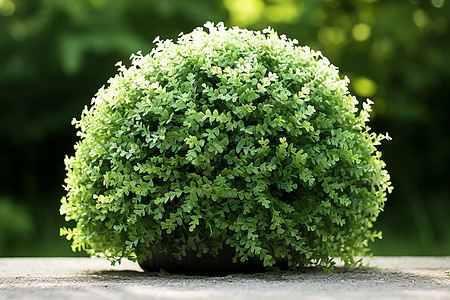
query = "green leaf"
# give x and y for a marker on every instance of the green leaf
(239, 146)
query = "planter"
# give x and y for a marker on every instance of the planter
(220, 265)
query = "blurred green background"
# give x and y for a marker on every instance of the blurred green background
(55, 55)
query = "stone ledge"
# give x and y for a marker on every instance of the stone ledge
(84, 278)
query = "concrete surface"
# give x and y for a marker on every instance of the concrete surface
(84, 278)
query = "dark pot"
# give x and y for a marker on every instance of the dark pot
(206, 265)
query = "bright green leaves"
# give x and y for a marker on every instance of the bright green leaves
(282, 148)
(239, 146)
(212, 116)
(193, 142)
(228, 136)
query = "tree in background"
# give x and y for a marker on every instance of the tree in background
(55, 54)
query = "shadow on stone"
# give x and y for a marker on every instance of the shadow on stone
(341, 274)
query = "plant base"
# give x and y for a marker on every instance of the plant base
(220, 265)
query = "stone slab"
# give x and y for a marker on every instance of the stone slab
(85, 278)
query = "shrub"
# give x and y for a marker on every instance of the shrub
(226, 137)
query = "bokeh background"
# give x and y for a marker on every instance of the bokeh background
(55, 55)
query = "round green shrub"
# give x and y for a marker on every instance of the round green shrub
(228, 137)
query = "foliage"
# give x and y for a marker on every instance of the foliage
(56, 53)
(227, 136)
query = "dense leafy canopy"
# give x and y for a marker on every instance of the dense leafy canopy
(227, 136)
